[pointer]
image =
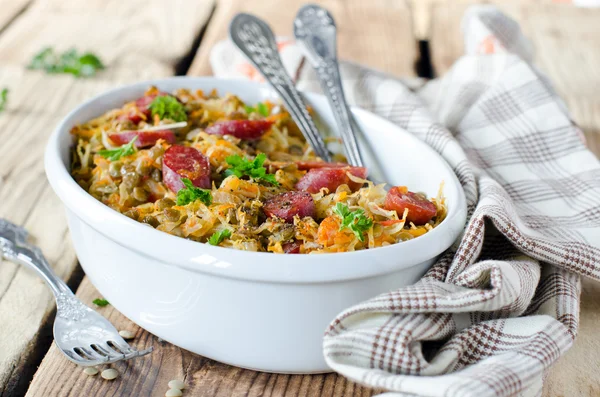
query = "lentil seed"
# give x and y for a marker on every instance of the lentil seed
(151, 220)
(91, 371)
(173, 393)
(126, 334)
(114, 169)
(130, 180)
(109, 374)
(164, 203)
(140, 194)
(171, 214)
(157, 175)
(176, 384)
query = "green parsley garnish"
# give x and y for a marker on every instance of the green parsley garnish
(355, 220)
(168, 107)
(217, 237)
(260, 108)
(100, 302)
(254, 169)
(116, 154)
(191, 193)
(3, 98)
(85, 65)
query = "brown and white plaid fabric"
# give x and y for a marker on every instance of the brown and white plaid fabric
(503, 303)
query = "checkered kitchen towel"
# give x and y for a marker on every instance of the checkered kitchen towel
(503, 304)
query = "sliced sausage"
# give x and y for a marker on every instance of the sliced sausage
(287, 205)
(185, 162)
(317, 178)
(243, 129)
(145, 138)
(292, 247)
(420, 210)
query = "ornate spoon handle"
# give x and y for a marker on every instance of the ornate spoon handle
(315, 30)
(255, 39)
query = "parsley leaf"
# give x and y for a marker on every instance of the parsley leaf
(261, 108)
(217, 237)
(168, 107)
(3, 98)
(254, 169)
(116, 154)
(100, 302)
(71, 62)
(191, 193)
(355, 220)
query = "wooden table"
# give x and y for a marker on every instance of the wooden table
(140, 39)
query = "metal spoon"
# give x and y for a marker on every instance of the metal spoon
(315, 31)
(256, 40)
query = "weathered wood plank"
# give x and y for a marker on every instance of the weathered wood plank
(566, 45)
(10, 9)
(36, 104)
(377, 32)
(150, 375)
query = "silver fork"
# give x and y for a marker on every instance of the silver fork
(83, 335)
(256, 40)
(315, 31)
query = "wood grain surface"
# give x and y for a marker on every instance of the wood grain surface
(37, 102)
(379, 33)
(374, 32)
(149, 376)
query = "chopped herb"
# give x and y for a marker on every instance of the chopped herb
(355, 220)
(168, 107)
(100, 302)
(71, 62)
(254, 169)
(3, 98)
(191, 193)
(116, 154)
(217, 237)
(261, 108)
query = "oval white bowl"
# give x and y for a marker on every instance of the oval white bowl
(254, 310)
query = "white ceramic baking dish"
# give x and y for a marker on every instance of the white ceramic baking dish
(255, 310)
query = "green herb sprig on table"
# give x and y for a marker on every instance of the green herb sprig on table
(191, 193)
(3, 98)
(217, 237)
(168, 107)
(71, 62)
(254, 169)
(260, 108)
(122, 151)
(355, 220)
(100, 302)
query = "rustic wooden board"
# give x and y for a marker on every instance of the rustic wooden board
(566, 44)
(10, 9)
(376, 32)
(149, 376)
(36, 104)
(568, 50)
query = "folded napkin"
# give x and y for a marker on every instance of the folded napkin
(502, 304)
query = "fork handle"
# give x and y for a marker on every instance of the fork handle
(30, 256)
(315, 31)
(256, 40)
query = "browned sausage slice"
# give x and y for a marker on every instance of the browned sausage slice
(243, 129)
(185, 162)
(330, 177)
(287, 205)
(420, 210)
(145, 138)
